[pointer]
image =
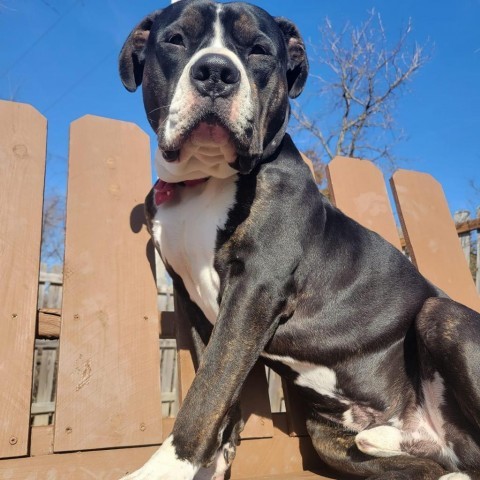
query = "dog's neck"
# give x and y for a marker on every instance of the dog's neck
(197, 161)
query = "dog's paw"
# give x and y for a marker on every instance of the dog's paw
(455, 476)
(383, 441)
(164, 465)
(220, 465)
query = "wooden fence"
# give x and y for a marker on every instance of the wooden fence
(106, 389)
(50, 297)
(50, 289)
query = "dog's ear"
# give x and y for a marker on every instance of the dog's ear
(297, 70)
(132, 55)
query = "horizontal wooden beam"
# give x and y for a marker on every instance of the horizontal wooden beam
(468, 226)
(39, 408)
(51, 277)
(49, 323)
(285, 457)
(41, 440)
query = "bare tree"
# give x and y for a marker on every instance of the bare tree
(476, 189)
(362, 77)
(53, 228)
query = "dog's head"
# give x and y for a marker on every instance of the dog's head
(216, 78)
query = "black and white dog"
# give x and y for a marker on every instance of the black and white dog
(265, 267)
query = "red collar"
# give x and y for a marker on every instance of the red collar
(164, 191)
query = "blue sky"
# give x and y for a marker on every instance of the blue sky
(61, 57)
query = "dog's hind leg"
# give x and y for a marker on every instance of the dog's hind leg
(338, 449)
(449, 343)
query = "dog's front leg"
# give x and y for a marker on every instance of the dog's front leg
(188, 313)
(249, 314)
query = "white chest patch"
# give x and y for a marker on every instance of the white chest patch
(185, 229)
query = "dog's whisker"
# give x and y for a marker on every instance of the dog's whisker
(158, 108)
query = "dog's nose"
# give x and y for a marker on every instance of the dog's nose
(215, 75)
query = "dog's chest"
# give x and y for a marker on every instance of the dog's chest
(185, 230)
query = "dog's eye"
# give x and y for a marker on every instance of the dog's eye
(258, 50)
(176, 39)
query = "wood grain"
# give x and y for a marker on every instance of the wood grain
(358, 189)
(108, 379)
(22, 169)
(49, 320)
(279, 458)
(431, 235)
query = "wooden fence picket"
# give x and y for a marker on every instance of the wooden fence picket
(358, 189)
(22, 170)
(43, 396)
(109, 368)
(108, 413)
(431, 236)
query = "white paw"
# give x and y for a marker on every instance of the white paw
(455, 476)
(383, 441)
(217, 470)
(164, 465)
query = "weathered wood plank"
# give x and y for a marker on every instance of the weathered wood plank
(41, 287)
(44, 404)
(468, 226)
(431, 235)
(168, 374)
(256, 459)
(49, 320)
(296, 418)
(41, 439)
(55, 289)
(108, 380)
(281, 455)
(40, 409)
(22, 169)
(255, 405)
(48, 323)
(275, 391)
(358, 189)
(460, 217)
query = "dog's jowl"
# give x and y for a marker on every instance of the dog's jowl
(265, 267)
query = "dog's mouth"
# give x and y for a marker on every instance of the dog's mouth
(207, 149)
(208, 136)
(210, 132)
(208, 142)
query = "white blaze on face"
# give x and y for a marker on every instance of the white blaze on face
(186, 96)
